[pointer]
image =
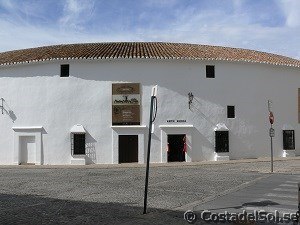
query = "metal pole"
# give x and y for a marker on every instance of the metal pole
(271, 152)
(148, 156)
(298, 213)
(2, 100)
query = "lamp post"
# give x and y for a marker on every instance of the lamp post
(2, 106)
(153, 111)
(191, 97)
(272, 131)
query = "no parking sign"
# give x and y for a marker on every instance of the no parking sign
(271, 118)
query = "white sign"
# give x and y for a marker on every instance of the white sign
(269, 105)
(272, 132)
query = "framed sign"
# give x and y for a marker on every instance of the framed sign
(126, 104)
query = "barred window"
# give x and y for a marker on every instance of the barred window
(78, 144)
(230, 111)
(288, 139)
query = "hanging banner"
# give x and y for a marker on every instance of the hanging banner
(126, 104)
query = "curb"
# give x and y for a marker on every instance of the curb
(135, 165)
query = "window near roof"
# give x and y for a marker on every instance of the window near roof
(64, 70)
(210, 71)
(230, 111)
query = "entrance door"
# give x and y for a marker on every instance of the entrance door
(222, 141)
(176, 152)
(28, 150)
(128, 148)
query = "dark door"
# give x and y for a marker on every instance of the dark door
(222, 141)
(176, 150)
(128, 148)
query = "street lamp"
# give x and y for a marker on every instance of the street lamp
(191, 97)
(153, 111)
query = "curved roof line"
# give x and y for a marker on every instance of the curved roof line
(142, 50)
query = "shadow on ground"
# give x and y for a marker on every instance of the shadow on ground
(30, 209)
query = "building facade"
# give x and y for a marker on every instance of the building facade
(90, 103)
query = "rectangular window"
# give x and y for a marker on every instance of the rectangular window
(79, 144)
(222, 141)
(230, 111)
(288, 139)
(64, 70)
(210, 71)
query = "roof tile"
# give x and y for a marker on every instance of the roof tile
(156, 50)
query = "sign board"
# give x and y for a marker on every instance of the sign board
(269, 105)
(272, 132)
(126, 104)
(271, 118)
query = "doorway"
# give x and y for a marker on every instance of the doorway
(28, 150)
(176, 147)
(128, 148)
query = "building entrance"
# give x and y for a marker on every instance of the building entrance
(176, 147)
(28, 150)
(128, 148)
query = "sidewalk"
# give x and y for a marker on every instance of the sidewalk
(276, 192)
(170, 164)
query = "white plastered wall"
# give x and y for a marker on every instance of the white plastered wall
(36, 96)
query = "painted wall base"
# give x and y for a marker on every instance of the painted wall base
(78, 160)
(222, 156)
(288, 153)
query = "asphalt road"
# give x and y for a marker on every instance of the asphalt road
(114, 195)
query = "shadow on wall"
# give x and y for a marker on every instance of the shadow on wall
(207, 148)
(7, 110)
(208, 116)
(205, 112)
(90, 148)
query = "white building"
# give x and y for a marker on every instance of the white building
(58, 103)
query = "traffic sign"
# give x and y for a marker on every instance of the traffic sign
(269, 105)
(271, 118)
(272, 132)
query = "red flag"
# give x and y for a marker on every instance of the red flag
(184, 144)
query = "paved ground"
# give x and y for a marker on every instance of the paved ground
(275, 192)
(114, 195)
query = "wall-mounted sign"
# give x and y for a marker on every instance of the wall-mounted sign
(176, 121)
(126, 104)
(126, 99)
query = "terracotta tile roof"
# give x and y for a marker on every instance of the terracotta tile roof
(153, 50)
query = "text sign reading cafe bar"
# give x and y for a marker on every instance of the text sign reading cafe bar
(126, 104)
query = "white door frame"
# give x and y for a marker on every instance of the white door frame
(176, 129)
(35, 132)
(129, 130)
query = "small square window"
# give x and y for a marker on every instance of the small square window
(64, 70)
(210, 71)
(230, 111)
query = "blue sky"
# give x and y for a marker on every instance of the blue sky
(265, 25)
